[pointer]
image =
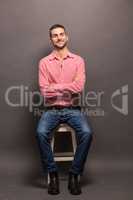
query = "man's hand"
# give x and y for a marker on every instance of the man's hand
(50, 88)
(77, 78)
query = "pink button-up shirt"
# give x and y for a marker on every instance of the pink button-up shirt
(61, 81)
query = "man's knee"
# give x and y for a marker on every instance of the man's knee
(41, 132)
(87, 134)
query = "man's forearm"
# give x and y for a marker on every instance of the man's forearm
(49, 92)
(74, 87)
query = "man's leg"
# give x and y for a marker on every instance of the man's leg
(48, 122)
(83, 131)
(78, 121)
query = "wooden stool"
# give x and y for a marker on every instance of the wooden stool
(64, 156)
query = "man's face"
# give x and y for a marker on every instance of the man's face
(59, 38)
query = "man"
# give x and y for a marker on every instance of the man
(61, 78)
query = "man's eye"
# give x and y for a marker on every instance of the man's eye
(54, 36)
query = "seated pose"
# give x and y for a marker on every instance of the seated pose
(61, 80)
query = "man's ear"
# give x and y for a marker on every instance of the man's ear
(51, 42)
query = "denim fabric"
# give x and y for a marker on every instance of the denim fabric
(79, 122)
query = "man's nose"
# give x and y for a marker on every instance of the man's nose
(59, 37)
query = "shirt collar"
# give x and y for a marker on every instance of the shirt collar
(54, 56)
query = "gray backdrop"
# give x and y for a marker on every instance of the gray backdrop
(99, 31)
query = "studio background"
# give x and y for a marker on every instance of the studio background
(101, 32)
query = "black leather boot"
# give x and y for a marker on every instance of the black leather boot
(53, 186)
(74, 184)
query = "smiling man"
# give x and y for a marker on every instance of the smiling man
(61, 79)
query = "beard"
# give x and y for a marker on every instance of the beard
(60, 47)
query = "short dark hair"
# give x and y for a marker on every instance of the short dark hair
(56, 26)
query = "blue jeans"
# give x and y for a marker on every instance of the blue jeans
(78, 121)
